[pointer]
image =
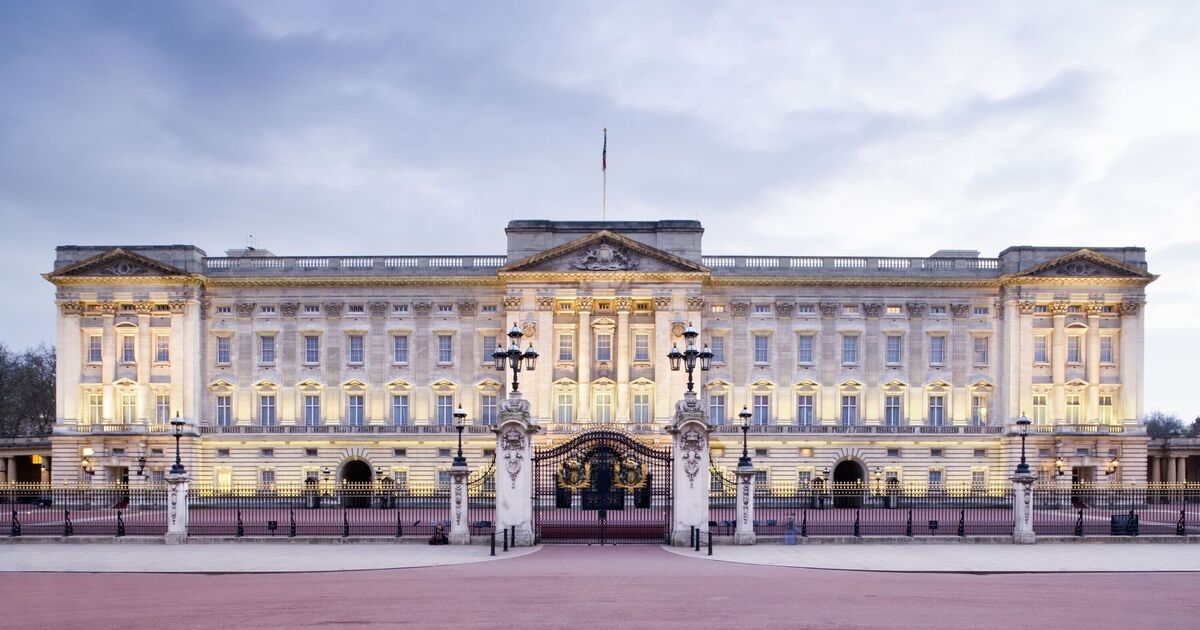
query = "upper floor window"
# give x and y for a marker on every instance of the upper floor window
(604, 347)
(489, 346)
(804, 349)
(162, 348)
(894, 309)
(266, 410)
(445, 308)
(400, 410)
(1040, 349)
(850, 309)
(566, 347)
(355, 309)
(1074, 349)
(445, 349)
(224, 310)
(356, 349)
(603, 413)
(312, 410)
(1106, 349)
(762, 349)
(937, 310)
(716, 408)
(266, 310)
(93, 355)
(1039, 409)
(641, 347)
(849, 409)
(980, 310)
(804, 410)
(1074, 408)
(312, 349)
(223, 344)
(224, 411)
(487, 308)
(1106, 409)
(354, 410)
(162, 408)
(312, 309)
(641, 408)
(400, 349)
(978, 410)
(937, 350)
(762, 409)
(893, 410)
(128, 349)
(266, 347)
(979, 352)
(445, 410)
(937, 410)
(849, 349)
(762, 309)
(717, 347)
(806, 309)
(489, 409)
(894, 353)
(399, 308)
(564, 407)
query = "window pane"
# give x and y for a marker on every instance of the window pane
(641, 347)
(718, 349)
(850, 349)
(893, 349)
(354, 410)
(937, 350)
(400, 349)
(445, 411)
(716, 408)
(356, 349)
(641, 408)
(937, 410)
(804, 349)
(1106, 350)
(224, 411)
(762, 409)
(312, 349)
(564, 410)
(162, 349)
(892, 411)
(603, 407)
(223, 350)
(266, 410)
(849, 410)
(761, 348)
(804, 410)
(267, 349)
(312, 410)
(1039, 349)
(566, 347)
(400, 409)
(488, 409)
(445, 349)
(604, 347)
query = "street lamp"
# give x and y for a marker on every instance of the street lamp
(514, 355)
(85, 464)
(141, 460)
(689, 355)
(460, 418)
(1023, 423)
(1112, 466)
(177, 428)
(745, 415)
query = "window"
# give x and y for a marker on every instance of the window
(445, 410)
(604, 347)
(937, 410)
(266, 349)
(356, 349)
(716, 408)
(489, 346)
(443, 477)
(1074, 349)
(761, 348)
(1040, 353)
(445, 308)
(268, 476)
(1106, 349)
(604, 407)
(266, 452)
(564, 408)
(399, 308)
(806, 309)
(354, 410)
(266, 310)
(1106, 409)
(892, 406)
(162, 408)
(1039, 408)
(223, 350)
(1041, 308)
(804, 349)
(980, 350)
(718, 349)
(893, 452)
(224, 310)
(162, 348)
(894, 349)
(128, 350)
(717, 308)
(803, 478)
(641, 347)
(312, 309)
(94, 349)
(760, 478)
(356, 309)
(935, 476)
(978, 410)
(445, 348)
(312, 349)
(762, 409)
(894, 309)
(266, 410)
(443, 452)
(849, 349)
(489, 409)
(850, 309)
(641, 408)
(224, 411)
(980, 310)
(979, 478)
(762, 309)
(566, 347)
(128, 407)
(1074, 408)
(849, 410)
(937, 350)
(487, 308)
(312, 410)
(804, 410)
(400, 349)
(95, 407)
(400, 410)
(937, 310)
(222, 452)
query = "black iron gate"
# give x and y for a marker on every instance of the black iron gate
(602, 486)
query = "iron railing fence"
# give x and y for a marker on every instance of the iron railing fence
(722, 500)
(1113, 509)
(318, 509)
(481, 499)
(84, 509)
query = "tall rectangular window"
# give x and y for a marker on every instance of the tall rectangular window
(445, 348)
(804, 349)
(641, 408)
(95, 408)
(935, 476)
(312, 349)
(223, 350)
(804, 410)
(489, 347)
(641, 347)
(400, 410)
(718, 349)
(1040, 351)
(266, 410)
(400, 349)
(1074, 408)
(1074, 349)
(564, 407)
(312, 410)
(445, 411)
(604, 407)
(894, 349)
(849, 410)
(980, 350)
(1039, 409)
(603, 347)
(937, 350)
(937, 410)
(762, 349)
(566, 347)
(892, 410)
(94, 355)
(162, 348)
(489, 409)
(224, 411)
(1106, 349)
(162, 408)
(128, 351)
(849, 349)
(978, 410)
(355, 355)
(1106, 409)
(266, 346)
(128, 408)
(354, 410)
(716, 408)
(762, 409)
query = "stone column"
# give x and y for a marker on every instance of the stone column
(1180, 470)
(460, 526)
(584, 361)
(662, 345)
(1022, 371)
(514, 469)
(11, 466)
(1171, 470)
(1058, 362)
(177, 508)
(623, 356)
(1131, 361)
(690, 433)
(70, 359)
(744, 534)
(1023, 509)
(1155, 470)
(1093, 310)
(4, 478)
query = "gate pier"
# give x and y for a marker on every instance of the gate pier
(514, 474)
(690, 430)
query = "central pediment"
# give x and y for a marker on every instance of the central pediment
(601, 252)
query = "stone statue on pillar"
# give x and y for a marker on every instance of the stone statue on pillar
(514, 469)
(690, 430)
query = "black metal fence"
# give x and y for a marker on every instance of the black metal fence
(481, 499)
(88, 509)
(1102, 509)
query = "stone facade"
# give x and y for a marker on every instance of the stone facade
(914, 368)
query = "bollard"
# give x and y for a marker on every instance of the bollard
(291, 523)
(710, 542)
(692, 537)
(493, 542)
(513, 535)
(962, 523)
(804, 526)
(506, 540)
(857, 531)
(697, 538)
(15, 530)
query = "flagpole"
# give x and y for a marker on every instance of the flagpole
(604, 170)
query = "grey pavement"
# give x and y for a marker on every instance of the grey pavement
(965, 558)
(237, 558)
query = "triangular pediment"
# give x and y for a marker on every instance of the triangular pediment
(118, 262)
(1084, 263)
(601, 252)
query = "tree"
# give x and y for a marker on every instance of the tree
(1194, 431)
(27, 391)
(1162, 425)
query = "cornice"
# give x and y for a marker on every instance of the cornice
(357, 281)
(858, 281)
(107, 280)
(1064, 281)
(602, 276)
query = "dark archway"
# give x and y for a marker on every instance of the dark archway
(849, 482)
(356, 484)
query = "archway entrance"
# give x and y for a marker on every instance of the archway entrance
(355, 484)
(849, 484)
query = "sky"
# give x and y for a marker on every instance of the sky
(832, 128)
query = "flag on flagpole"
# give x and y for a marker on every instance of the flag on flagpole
(604, 153)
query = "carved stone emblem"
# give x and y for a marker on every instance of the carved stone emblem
(583, 303)
(122, 267)
(917, 309)
(333, 309)
(289, 309)
(605, 257)
(740, 309)
(512, 444)
(695, 303)
(677, 329)
(512, 303)
(873, 309)
(545, 303)
(378, 309)
(960, 311)
(422, 309)
(623, 303)
(692, 444)
(529, 329)
(244, 309)
(829, 309)
(784, 309)
(466, 308)
(574, 475)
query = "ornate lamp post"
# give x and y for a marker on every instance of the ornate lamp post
(1023, 424)
(85, 464)
(177, 429)
(744, 460)
(141, 460)
(514, 356)
(689, 355)
(460, 418)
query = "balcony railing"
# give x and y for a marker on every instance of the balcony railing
(1101, 429)
(852, 265)
(834, 429)
(349, 265)
(291, 429)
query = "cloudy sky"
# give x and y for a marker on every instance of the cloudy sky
(886, 128)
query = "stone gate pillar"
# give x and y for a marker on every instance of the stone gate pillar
(514, 470)
(744, 534)
(460, 527)
(177, 508)
(1023, 509)
(690, 474)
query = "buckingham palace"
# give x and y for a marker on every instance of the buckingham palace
(847, 368)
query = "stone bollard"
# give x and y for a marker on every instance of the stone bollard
(460, 526)
(177, 508)
(744, 534)
(1023, 509)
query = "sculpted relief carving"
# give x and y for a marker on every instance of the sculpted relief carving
(512, 444)
(693, 446)
(605, 257)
